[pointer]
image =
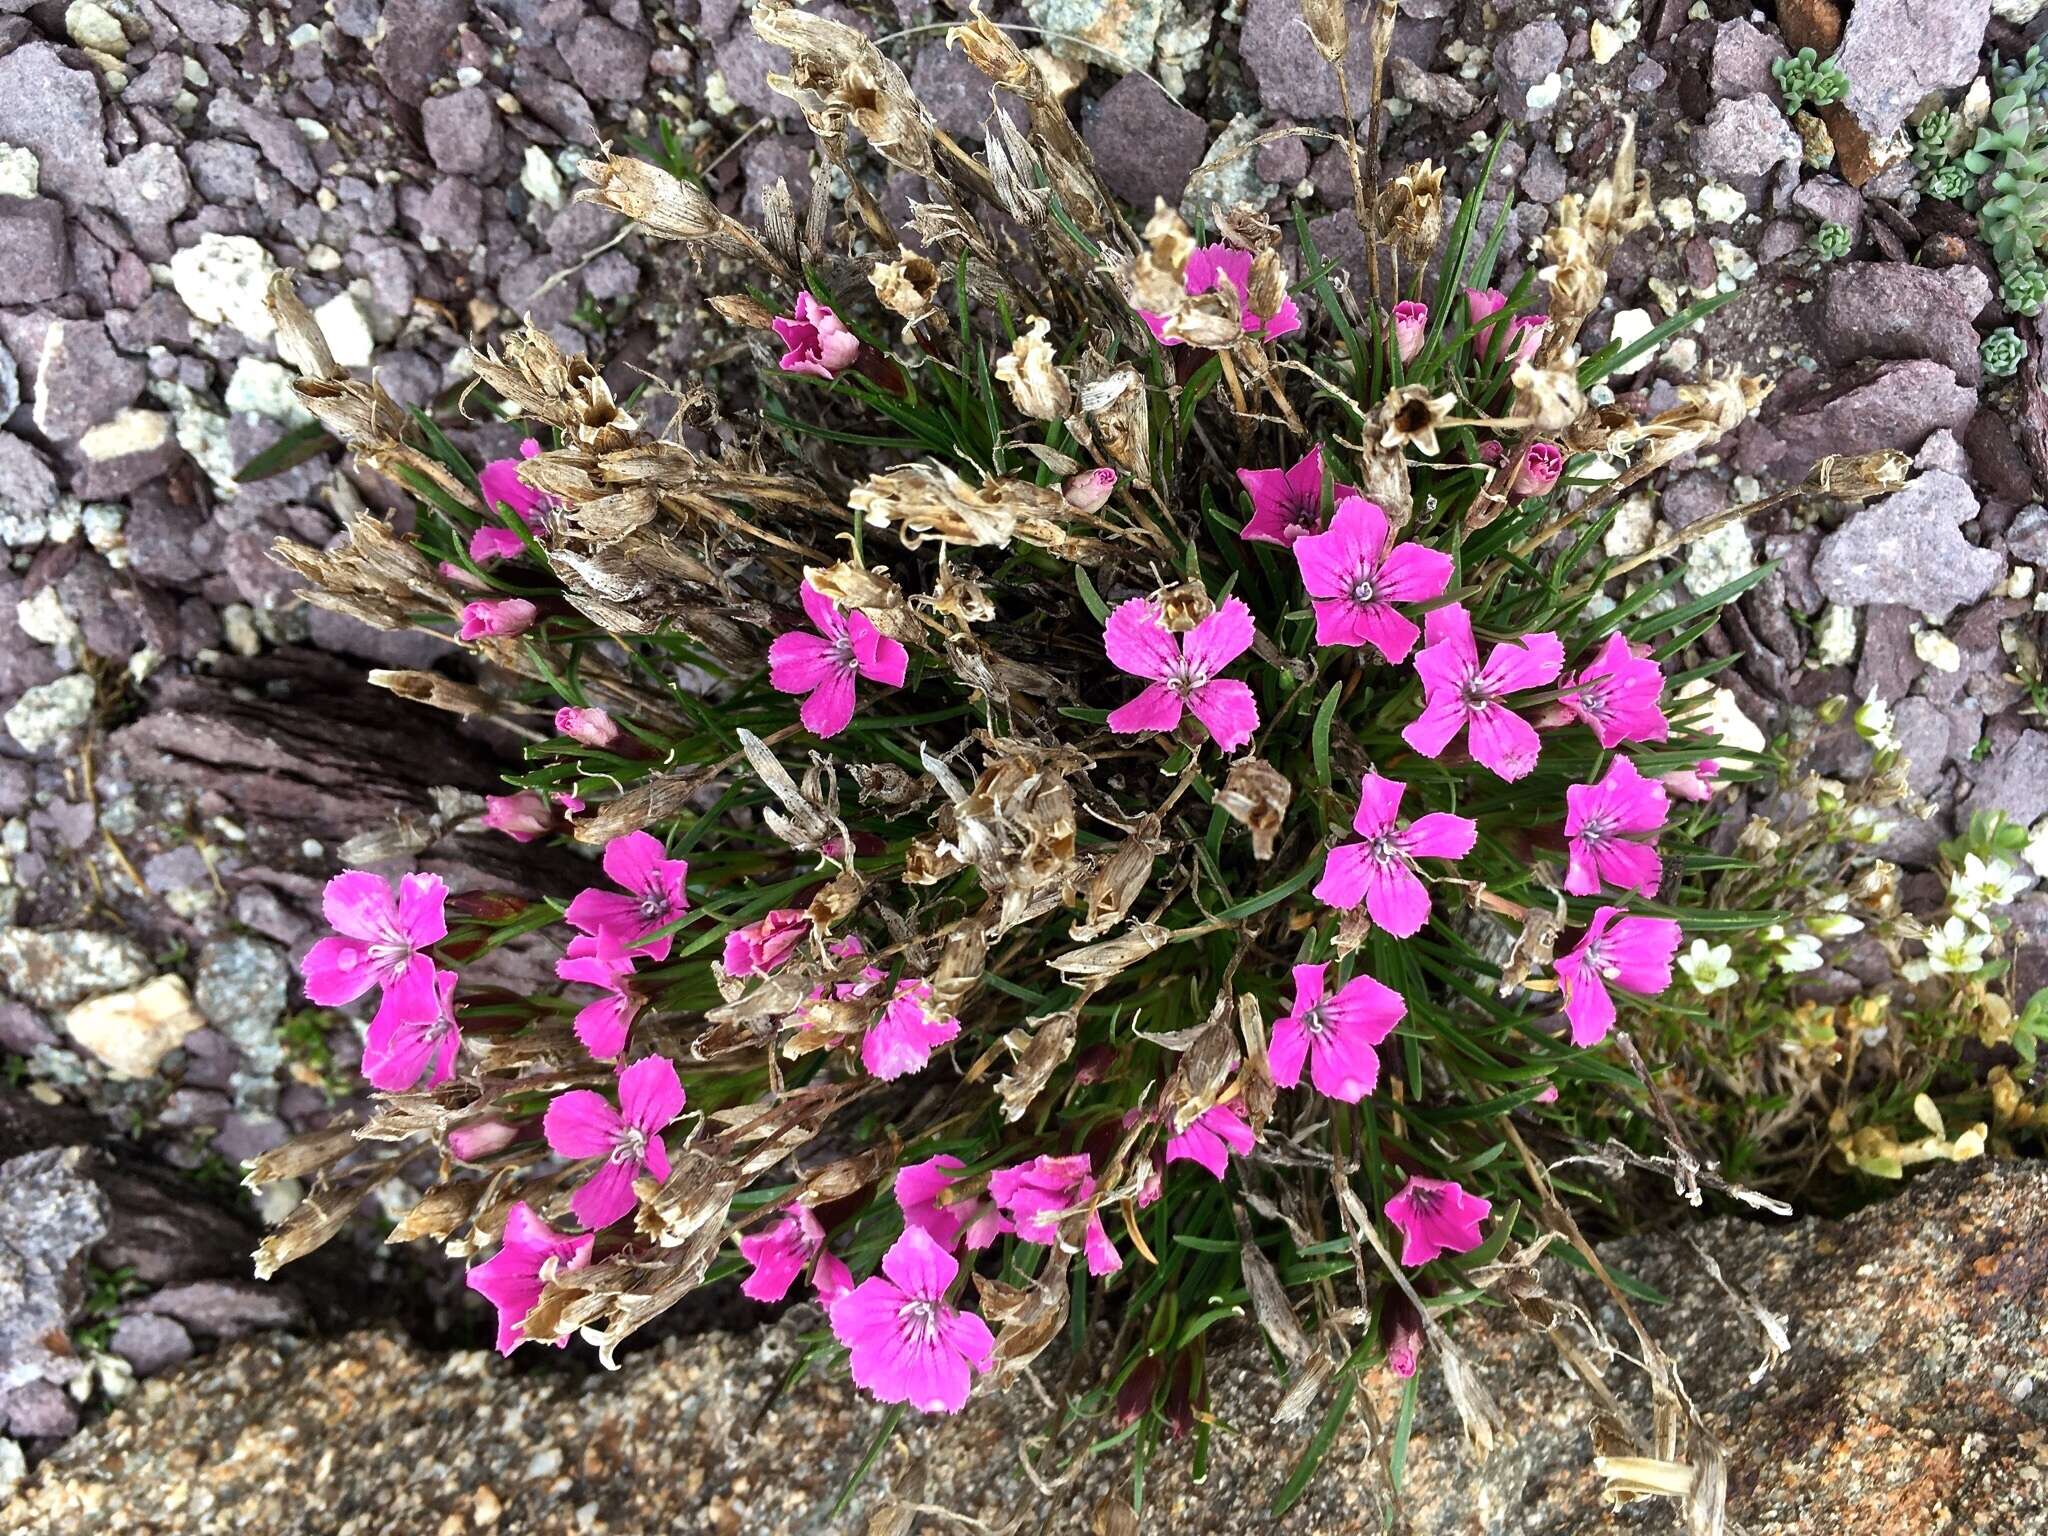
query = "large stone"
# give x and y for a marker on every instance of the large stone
(1909, 549)
(1886, 405)
(1743, 56)
(1887, 309)
(1117, 34)
(50, 715)
(50, 1216)
(223, 279)
(81, 380)
(2012, 780)
(1898, 52)
(1146, 144)
(411, 51)
(462, 131)
(34, 252)
(606, 61)
(53, 110)
(1291, 75)
(56, 967)
(1524, 62)
(1744, 140)
(130, 1032)
(1902, 1405)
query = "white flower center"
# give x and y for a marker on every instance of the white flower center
(920, 1321)
(631, 1146)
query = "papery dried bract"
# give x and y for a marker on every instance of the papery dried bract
(1256, 796)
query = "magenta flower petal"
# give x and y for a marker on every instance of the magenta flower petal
(799, 663)
(1440, 835)
(358, 905)
(1436, 1216)
(1138, 643)
(650, 1093)
(878, 658)
(1158, 708)
(1227, 707)
(606, 1196)
(1503, 741)
(510, 1280)
(337, 971)
(1220, 639)
(829, 709)
(414, 1032)
(1396, 899)
(1379, 805)
(1345, 872)
(902, 1040)
(581, 1123)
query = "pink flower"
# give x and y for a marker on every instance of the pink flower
(1694, 783)
(1211, 1137)
(1542, 463)
(1381, 870)
(765, 944)
(830, 1278)
(1088, 490)
(1036, 1194)
(475, 1140)
(460, 576)
(377, 942)
(583, 1123)
(1461, 694)
(513, 1278)
(918, 1188)
(414, 1032)
(503, 487)
(602, 962)
(1354, 579)
(592, 727)
(1182, 671)
(1211, 264)
(1436, 1216)
(1633, 952)
(781, 1253)
(824, 665)
(1411, 329)
(1525, 332)
(496, 616)
(1401, 1328)
(1596, 818)
(902, 1040)
(1616, 694)
(1287, 503)
(907, 1343)
(818, 343)
(1336, 1036)
(522, 816)
(650, 895)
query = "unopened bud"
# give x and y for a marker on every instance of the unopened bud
(1087, 491)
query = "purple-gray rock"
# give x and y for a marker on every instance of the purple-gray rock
(607, 62)
(34, 252)
(1909, 550)
(1887, 309)
(411, 55)
(212, 21)
(1743, 141)
(746, 62)
(1886, 405)
(151, 187)
(1523, 59)
(151, 1343)
(54, 110)
(224, 172)
(41, 1410)
(453, 214)
(462, 131)
(28, 489)
(1284, 162)
(225, 1309)
(1146, 144)
(81, 380)
(1897, 52)
(51, 1214)
(1445, 95)
(1931, 737)
(1832, 201)
(1290, 75)
(2012, 779)
(1742, 61)
(952, 90)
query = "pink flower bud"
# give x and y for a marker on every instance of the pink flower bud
(592, 727)
(1401, 1328)
(1089, 489)
(521, 817)
(459, 576)
(497, 616)
(819, 344)
(1411, 328)
(477, 1139)
(1694, 783)
(1542, 463)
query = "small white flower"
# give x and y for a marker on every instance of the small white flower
(1801, 952)
(1707, 968)
(1833, 920)
(1874, 724)
(2036, 851)
(1956, 948)
(1980, 884)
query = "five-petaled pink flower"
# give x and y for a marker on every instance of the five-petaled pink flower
(503, 487)
(1354, 579)
(1436, 1216)
(907, 1343)
(1182, 671)
(604, 962)
(1616, 694)
(765, 945)
(1287, 503)
(902, 1040)
(496, 616)
(1525, 332)
(781, 1253)
(1411, 329)
(583, 1123)
(1211, 1137)
(521, 816)
(592, 727)
(818, 343)
(414, 1032)
(1207, 266)
(512, 1279)
(1634, 953)
(377, 942)
(1460, 693)
(1599, 820)
(1381, 870)
(1541, 465)
(1036, 1194)
(824, 666)
(1336, 1036)
(649, 898)
(919, 1187)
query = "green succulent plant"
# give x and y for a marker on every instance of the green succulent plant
(2002, 353)
(1808, 80)
(1951, 182)
(2011, 150)
(1832, 241)
(1930, 139)
(2023, 287)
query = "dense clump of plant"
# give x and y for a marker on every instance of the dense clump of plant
(1998, 174)
(1807, 80)
(1128, 792)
